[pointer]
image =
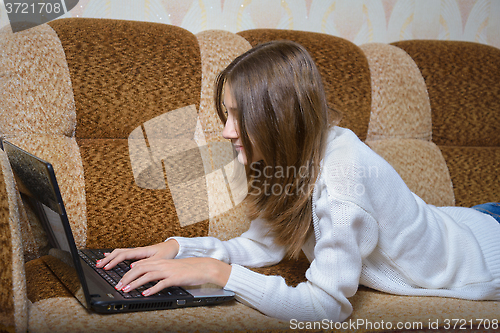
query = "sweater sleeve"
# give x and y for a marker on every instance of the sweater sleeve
(254, 248)
(345, 233)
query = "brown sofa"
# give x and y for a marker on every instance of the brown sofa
(72, 91)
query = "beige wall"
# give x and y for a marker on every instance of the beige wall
(360, 21)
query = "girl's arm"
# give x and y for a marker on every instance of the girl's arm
(254, 248)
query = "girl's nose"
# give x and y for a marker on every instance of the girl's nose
(229, 131)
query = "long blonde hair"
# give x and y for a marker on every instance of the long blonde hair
(282, 111)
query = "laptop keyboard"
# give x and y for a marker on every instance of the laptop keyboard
(115, 274)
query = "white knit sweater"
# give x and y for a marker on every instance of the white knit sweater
(369, 229)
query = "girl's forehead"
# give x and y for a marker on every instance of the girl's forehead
(228, 99)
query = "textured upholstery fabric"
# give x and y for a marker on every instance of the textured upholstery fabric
(400, 124)
(36, 96)
(64, 155)
(474, 173)
(125, 74)
(400, 103)
(13, 301)
(6, 279)
(73, 91)
(61, 315)
(343, 67)
(218, 48)
(36, 91)
(463, 81)
(42, 283)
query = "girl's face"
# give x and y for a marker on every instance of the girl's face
(231, 130)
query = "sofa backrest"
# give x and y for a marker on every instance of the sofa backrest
(343, 67)
(400, 128)
(124, 74)
(463, 82)
(75, 90)
(78, 89)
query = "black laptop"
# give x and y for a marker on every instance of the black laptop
(92, 286)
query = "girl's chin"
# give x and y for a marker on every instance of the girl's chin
(242, 158)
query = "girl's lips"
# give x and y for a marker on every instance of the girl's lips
(238, 147)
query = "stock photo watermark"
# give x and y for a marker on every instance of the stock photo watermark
(336, 175)
(364, 324)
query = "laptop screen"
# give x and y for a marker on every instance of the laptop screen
(42, 200)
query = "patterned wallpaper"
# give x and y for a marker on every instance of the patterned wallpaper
(360, 21)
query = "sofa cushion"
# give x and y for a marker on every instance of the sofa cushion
(67, 315)
(218, 48)
(422, 167)
(400, 124)
(343, 67)
(463, 81)
(474, 173)
(36, 95)
(400, 102)
(54, 310)
(125, 74)
(6, 278)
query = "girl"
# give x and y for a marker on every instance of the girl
(319, 189)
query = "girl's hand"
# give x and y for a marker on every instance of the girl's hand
(174, 272)
(165, 250)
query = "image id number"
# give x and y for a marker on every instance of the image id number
(33, 8)
(463, 324)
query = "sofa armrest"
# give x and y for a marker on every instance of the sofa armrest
(13, 299)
